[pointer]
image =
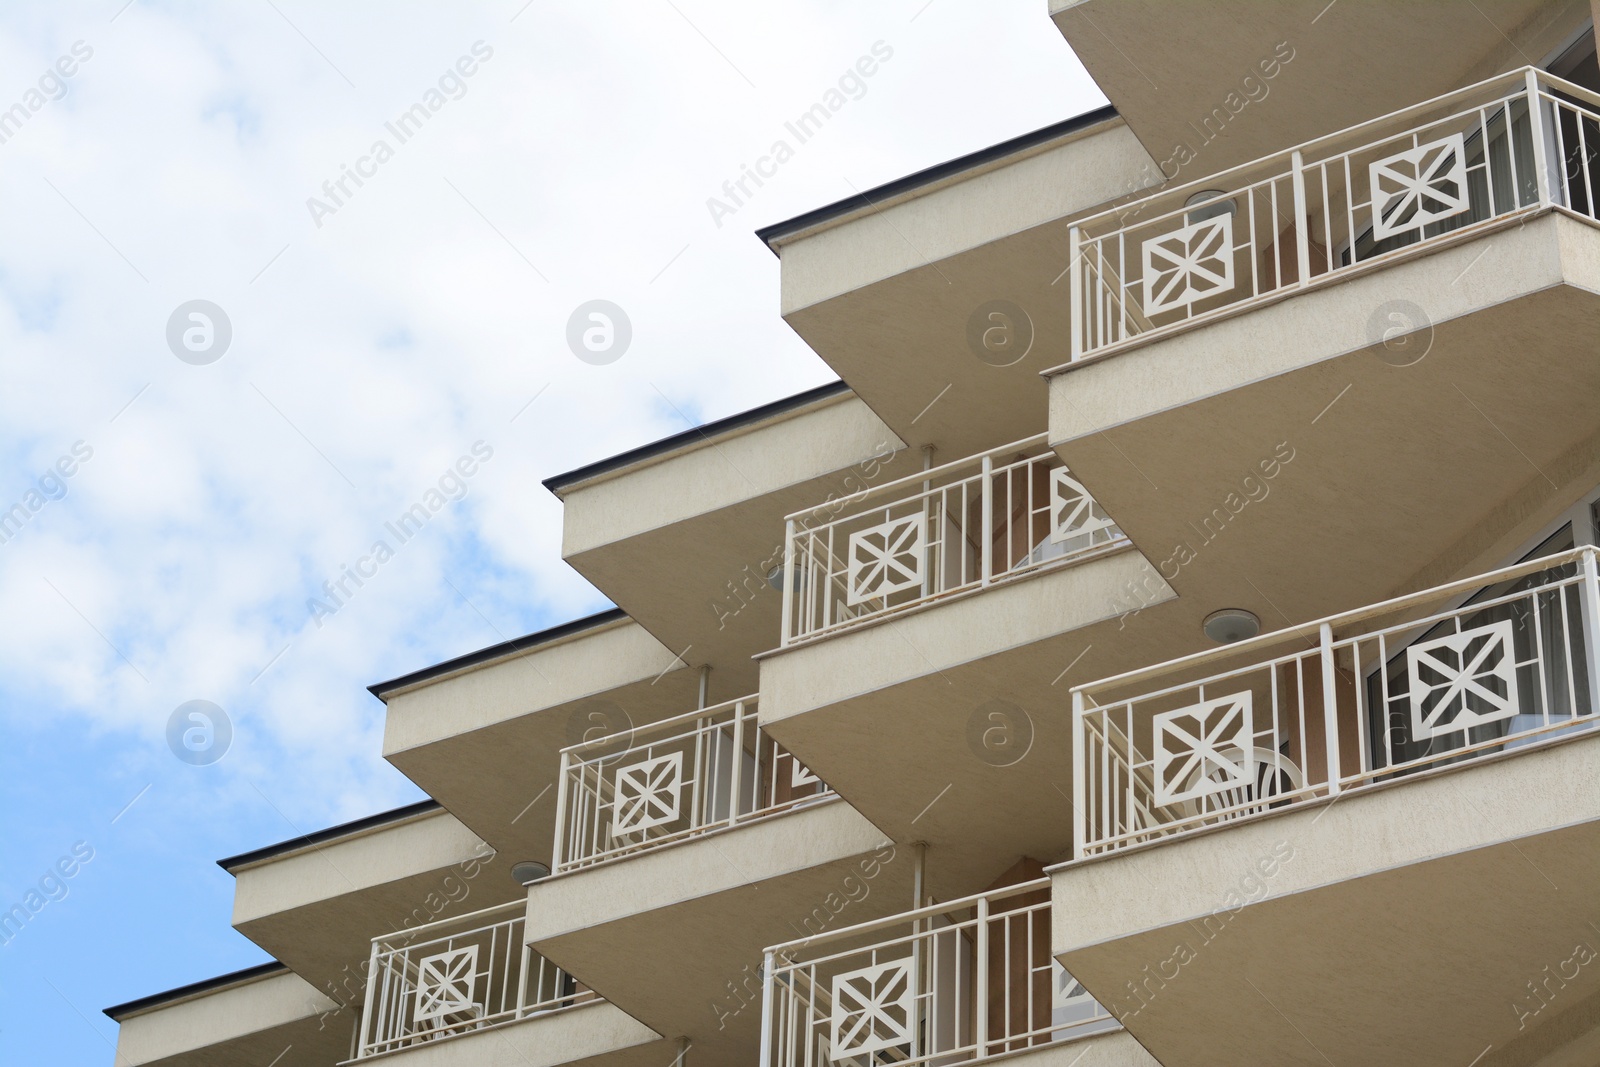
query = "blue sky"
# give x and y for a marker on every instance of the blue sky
(371, 347)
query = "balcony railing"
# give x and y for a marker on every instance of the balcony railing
(1422, 682)
(956, 527)
(675, 779)
(1330, 207)
(455, 977)
(951, 983)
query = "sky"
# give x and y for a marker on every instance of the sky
(256, 303)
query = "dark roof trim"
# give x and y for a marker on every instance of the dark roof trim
(332, 833)
(699, 433)
(222, 981)
(875, 196)
(493, 652)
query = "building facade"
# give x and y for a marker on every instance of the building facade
(1174, 640)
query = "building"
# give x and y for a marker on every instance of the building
(1174, 640)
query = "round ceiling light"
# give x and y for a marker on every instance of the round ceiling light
(1208, 204)
(1230, 625)
(527, 872)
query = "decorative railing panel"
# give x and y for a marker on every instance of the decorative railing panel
(1520, 142)
(679, 778)
(956, 527)
(456, 977)
(1452, 674)
(948, 984)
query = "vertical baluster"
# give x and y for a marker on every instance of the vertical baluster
(1541, 161)
(1383, 697)
(1363, 714)
(1330, 709)
(735, 777)
(368, 1023)
(1541, 660)
(1583, 163)
(790, 577)
(1075, 290)
(1350, 208)
(1302, 217)
(558, 846)
(980, 1008)
(986, 523)
(1590, 644)
(1080, 828)
(828, 595)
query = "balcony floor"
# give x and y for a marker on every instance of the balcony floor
(592, 1035)
(1407, 923)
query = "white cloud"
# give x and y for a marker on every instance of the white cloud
(376, 349)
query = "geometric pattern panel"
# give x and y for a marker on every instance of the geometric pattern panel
(886, 558)
(445, 983)
(1418, 186)
(1073, 512)
(1187, 265)
(873, 1008)
(647, 794)
(1462, 680)
(1066, 991)
(1204, 748)
(800, 775)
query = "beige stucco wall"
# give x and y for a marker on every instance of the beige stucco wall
(729, 469)
(217, 1017)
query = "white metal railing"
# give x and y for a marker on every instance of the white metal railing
(678, 778)
(946, 984)
(455, 977)
(959, 526)
(1315, 213)
(1449, 675)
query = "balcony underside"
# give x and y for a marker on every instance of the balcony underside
(487, 743)
(1400, 924)
(591, 1035)
(1101, 1050)
(675, 936)
(318, 909)
(1403, 474)
(980, 790)
(275, 1019)
(888, 298)
(684, 544)
(1171, 68)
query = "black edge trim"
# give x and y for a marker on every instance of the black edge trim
(504, 648)
(121, 1011)
(710, 429)
(332, 833)
(872, 197)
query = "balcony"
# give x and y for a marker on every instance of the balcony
(939, 610)
(699, 840)
(701, 772)
(1277, 836)
(1402, 314)
(1320, 213)
(468, 991)
(952, 983)
(1405, 689)
(457, 977)
(927, 537)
